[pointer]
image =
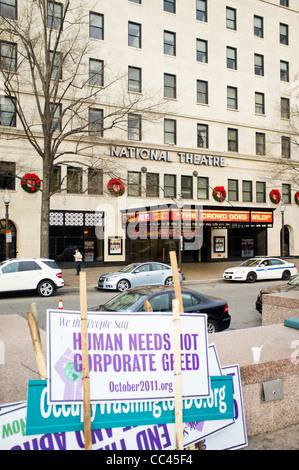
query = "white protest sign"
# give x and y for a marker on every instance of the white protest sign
(130, 356)
(234, 437)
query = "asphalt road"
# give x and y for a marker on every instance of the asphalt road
(241, 299)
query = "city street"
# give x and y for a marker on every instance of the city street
(241, 299)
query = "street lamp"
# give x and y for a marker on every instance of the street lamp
(180, 204)
(282, 209)
(6, 200)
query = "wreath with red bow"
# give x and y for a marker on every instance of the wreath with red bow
(297, 198)
(116, 187)
(219, 193)
(275, 196)
(30, 183)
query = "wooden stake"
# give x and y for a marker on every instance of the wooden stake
(35, 336)
(85, 365)
(147, 306)
(176, 280)
(178, 402)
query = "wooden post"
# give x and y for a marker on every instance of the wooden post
(35, 336)
(85, 365)
(178, 402)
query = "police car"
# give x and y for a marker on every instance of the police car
(260, 268)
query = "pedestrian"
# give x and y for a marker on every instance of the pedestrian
(78, 260)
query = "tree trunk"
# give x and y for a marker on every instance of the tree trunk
(45, 208)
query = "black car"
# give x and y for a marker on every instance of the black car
(160, 298)
(291, 285)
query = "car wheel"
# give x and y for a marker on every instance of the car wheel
(286, 275)
(212, 326)
(123, 285)
(45, 288)
(169, 281)
(251, 277)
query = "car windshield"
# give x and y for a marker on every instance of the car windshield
(129, 268)
(124, 302)
(295, 281)
(251, 262)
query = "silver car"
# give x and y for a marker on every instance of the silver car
(138, 274)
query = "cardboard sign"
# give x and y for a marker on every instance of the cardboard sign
(43, 418)
(130, 356)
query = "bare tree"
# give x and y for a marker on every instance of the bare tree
(55, 93)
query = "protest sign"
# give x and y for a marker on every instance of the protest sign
(234, 437)
(153, 437)
(129, 357)
(42, 418)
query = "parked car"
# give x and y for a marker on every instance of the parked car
(138, 274)
(160, 298)
(288, 286)
(42, 275)
(259, 269)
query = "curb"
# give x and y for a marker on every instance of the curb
(95, 287)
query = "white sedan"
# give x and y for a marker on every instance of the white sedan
(260, 268)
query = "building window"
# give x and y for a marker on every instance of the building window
(134, 79)
(260, 191)
(233, 190)
(96, 72)
(56, 120)
(232, 140)
(258, 25)
(152, 185)
(169, 43)
(7, 112)
(286, 193)
(7, 175)
(56, 61)
(74, 180)
(202, 50)
(134, 183)
(231, 58)
(95, 181)
(56, 179)
(8, 9)
(135, 1)
(169, 5)
(203, 136)
(284, 71)
(95, 122)
(260, 143)
(169, 86)
(247, 191)
(232, 97)
(170, 131)
(187, 187)
(284, 34)
(285, 147)
(231, 18)
(202, 187)
(134, 35)
(259, 65)
(170, 186)
(134, 127)
(259, 103)
(54, 17)
(96, 25)
(285, 108)
(202, 92)
(201, 10)
(284, 3)
(8, 56)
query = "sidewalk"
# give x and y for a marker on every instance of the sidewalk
(191, 271)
